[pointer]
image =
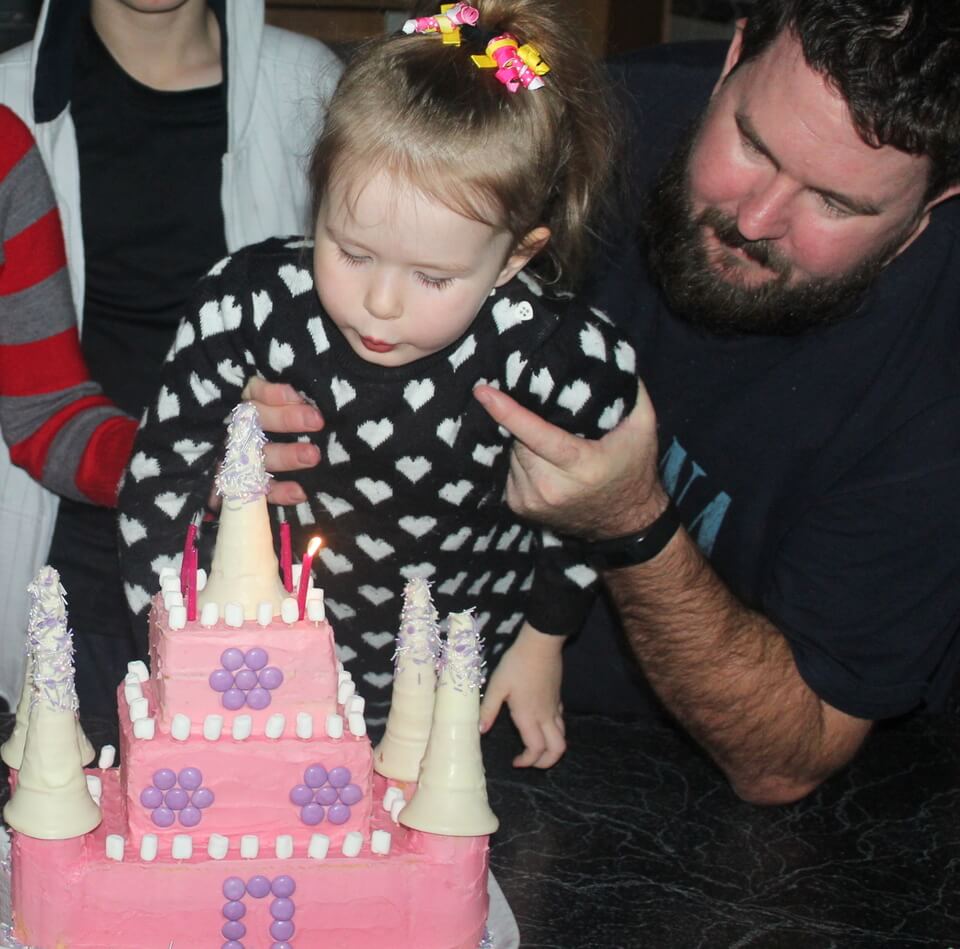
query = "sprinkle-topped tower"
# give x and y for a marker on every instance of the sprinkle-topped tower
(451, 797)
(51, 799)
(245, 569)
(404, 742)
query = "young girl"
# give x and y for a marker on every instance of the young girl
(443, 170)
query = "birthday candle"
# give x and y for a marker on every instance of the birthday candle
(305, 574)
(286, 556)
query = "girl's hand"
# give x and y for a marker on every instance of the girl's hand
(528, 678)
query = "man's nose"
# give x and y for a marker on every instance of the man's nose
(383, 299)
(763, 214)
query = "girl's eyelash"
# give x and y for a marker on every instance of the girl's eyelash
(350, 259)
(436, 283)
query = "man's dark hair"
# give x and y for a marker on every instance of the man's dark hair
(895, 62)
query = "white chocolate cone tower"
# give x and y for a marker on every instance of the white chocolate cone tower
(12, 750)
(404, 742)
(245, 568)
(451, 797)
(51, 800)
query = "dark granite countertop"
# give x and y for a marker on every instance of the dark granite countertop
(635, 840)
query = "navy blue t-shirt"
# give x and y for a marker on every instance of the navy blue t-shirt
(819, 474)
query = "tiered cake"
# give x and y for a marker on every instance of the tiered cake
(249, 809)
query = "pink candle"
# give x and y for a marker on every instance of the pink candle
(286, 557)
(305, 574)
(192, 586)
(185, 562)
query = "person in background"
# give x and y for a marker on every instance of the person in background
(173, 131)
(776, 520)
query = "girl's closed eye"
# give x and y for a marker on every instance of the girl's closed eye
(351, 260)
(436, 283)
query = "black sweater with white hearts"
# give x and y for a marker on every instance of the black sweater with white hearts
(413, 469)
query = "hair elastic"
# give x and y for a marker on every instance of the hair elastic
(447, 22)
(516, 65)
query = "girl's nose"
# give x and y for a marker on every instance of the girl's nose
(383, 299)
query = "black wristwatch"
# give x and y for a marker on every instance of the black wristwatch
(632, 549)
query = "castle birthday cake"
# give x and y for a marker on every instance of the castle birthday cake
(249, 808)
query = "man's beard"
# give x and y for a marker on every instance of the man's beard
(696, 288)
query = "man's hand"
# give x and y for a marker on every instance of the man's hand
(282, 409)
(591, 489)
(528, 678)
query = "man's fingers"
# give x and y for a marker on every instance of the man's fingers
(290, 456)
(286, 492)
(552, 444)
(281, 407)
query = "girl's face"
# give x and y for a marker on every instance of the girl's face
(402, 275)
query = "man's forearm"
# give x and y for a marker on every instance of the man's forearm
(729, 676)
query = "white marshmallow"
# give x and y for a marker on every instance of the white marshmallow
(380, 841)
(201, 579)
(334, 726)
(168, 584)
(284, 847)
(233, 615)
(210, 614)
(249, 846)
(265, 613)
(345, 690)
(213, 727)
(390, 795)
(172, 598)
(304, 725)
(289, 610)
(218, 846)
(132, 690)
(180, 727)
(178, 617)
(275, 726)
(139, 709)
(138, 668)
(149, 846)
(169, 572)
(352, 844)
(396, 808)
(95, 787)
(242, 727)
(145, 728)
(356, 703)
(315, 611)
(319, 846)
(357, 723)
(113, 847)
(182, 847)
(108, 754)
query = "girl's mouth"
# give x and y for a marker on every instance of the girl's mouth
(376, 345)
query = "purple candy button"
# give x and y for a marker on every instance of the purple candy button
(165, 778)
(284, 886)
(338, 814)
(190, 778)
(151, 797)
(245, 679)
(258, 698)
(311, 815)
(282, 930)
(163, 817)
(176, 799)
(351, 794)
(258, 887)
(233, 944)
(282, 909)
(202, 797)
(234, 888)
(231, 659)
(301, 795)
(315, 776)
(190, 816)
(327, 796)
(233, 699)
(281, 945)
(233, 929)
(234, 910)
(339, 777)
(271, 677)
(256, 658)
(221, 680)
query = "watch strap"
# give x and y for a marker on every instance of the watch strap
(632, 549)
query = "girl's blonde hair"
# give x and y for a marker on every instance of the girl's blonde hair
(421, 110)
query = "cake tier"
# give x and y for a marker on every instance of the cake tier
(428, 892)
(249, 669)
(269, 787)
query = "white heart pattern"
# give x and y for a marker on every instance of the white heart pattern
(509, 624)
(171, 504)
(504, 583)
(168, 405)
(481, 544)
(455, 493)
(281, 356)
(418, 526)
(464, 351)
(217, 268)
(305, 514)
(231, 373)
(342, 391)
(375, 548)
(508, 537)
(262, 308)
(477, 586)
(297, 279)
(334, 562)
(374, 491)
(626, 357)
(541, 384)
(378, 640)
(335, 506)
(573, 397)
(379, 680)
(413, 468)
(581, 574)
(318, 334)
(340, 611)
(515, 365)
(336, 454)
(375, 595)
(185, 337)
(204, 391)
(137, 598)
(131, 530)
(448, 430)
(345, 653)
(486, 454)
(450, 587)
(418, 393)
(190, 450)
(611, 415)
(422, 570)
(375, 433)
(456, 541)
(592, 343)
(531, 283)
(507, 315)
(143, 467)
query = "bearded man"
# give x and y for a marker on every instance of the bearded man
(776, 520)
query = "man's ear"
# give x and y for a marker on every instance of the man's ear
(525, 251)
(733, 52)
(924, 219)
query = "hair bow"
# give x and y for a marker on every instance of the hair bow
(516, 65)
(447, 22)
